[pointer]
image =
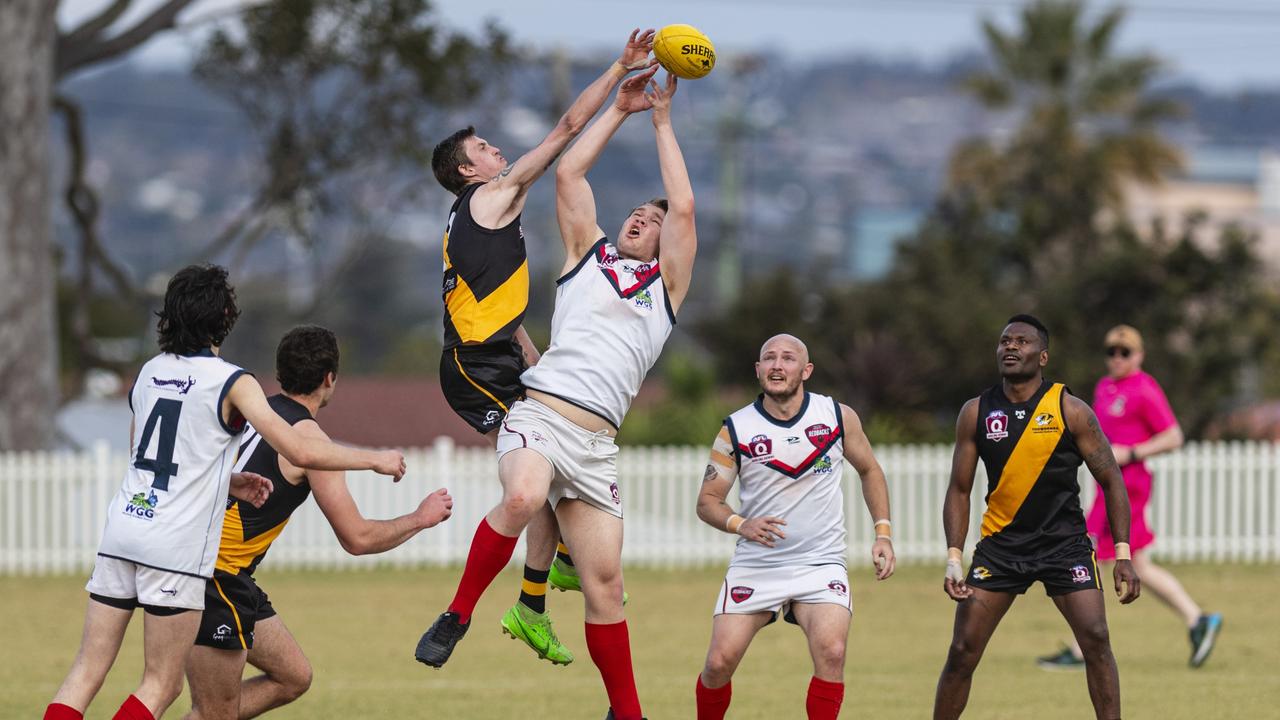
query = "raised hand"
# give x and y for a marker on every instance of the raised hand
(631, 95)
(660, 99)
(250, 487)
(635, 54)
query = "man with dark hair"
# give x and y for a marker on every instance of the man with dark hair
(1032, 435)
(157, 552)
(239, 622)
(486, 292)
(615, 308)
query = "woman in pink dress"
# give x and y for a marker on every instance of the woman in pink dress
(1136, 418)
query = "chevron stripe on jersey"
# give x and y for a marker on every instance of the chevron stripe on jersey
(486, 278)
(792, 469)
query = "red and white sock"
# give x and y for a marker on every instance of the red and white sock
(713, 703)
(610, 649)
(824, 699)
(58, 711)
(490, 552)
(133, 709)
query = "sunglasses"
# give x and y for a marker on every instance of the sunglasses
(1115, 350)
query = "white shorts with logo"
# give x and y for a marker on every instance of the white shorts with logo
(749, 590)
(125, 580)
(585, 462)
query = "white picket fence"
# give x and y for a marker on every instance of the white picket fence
(1213, 502)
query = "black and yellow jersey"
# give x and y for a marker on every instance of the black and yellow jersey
(486, 278)
(248, 531)
(1033, 496)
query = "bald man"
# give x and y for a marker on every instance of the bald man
(785, 450)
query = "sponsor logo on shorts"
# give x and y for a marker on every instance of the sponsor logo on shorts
(981, 572)
(492, 417)
(997, 425)
(142, 505)
(823, 465)
(818, 434)
(183, 386)
(171, 592)
(538, 437)
(740, 593)
(222, 632)
(1080, 574)
(644, 299)
(761, 448)
(613, 490)
(838, 587)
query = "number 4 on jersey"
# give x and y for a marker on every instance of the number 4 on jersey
(165, 414)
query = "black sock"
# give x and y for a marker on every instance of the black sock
(562, 554)
(533, 591)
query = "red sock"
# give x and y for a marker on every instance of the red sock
(58, 711)
(823, 702)
(713, 703)
(133, 709)
(610, 649)
(489, 553)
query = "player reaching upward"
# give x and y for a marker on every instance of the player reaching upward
(239, 623)
(157, 549)
(486, 292)
(1032, 435)
(615, 308)
(787, 449)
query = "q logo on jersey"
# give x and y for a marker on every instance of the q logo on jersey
(761, 448)
(997, 425)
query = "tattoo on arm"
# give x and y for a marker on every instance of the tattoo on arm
(1101, 461)
(507, 170)
(710, 474)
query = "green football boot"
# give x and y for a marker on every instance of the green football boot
(535, 630)
(563, 576)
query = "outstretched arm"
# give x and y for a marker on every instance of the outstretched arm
(575, 203)
(508, 190)
(875, 491)
(679, 241)
(955, 509)
(1097, 454)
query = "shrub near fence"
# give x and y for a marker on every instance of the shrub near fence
(1213, 502)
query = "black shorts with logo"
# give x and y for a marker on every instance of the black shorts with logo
(481, 382)
(233, 606)
(1068, 569)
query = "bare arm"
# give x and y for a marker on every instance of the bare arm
(527, 348)
(247, 399)
(875, 490)
(575, 202)
(679, 241)
(713, 506)
(504, 197)
(1101, 461)
(1166, 440)
(955, 508)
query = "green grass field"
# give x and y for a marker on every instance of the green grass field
(359, 630)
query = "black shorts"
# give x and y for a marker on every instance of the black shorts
(233, 606)
(1067, 570)
(481, 382)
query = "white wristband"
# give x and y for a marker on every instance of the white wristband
(732, 526)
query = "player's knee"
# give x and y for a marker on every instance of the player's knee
(719, 668)
(1094, 636)
(962, 657)
(297, 682)
(828, 653)
(522, 503)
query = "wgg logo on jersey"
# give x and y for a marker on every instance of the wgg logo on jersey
(644, 299)
(823, 465)
(142, 506)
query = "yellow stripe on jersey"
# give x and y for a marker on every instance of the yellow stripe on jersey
(477, 320)
(1026, 462)
(235, 553)
(476, 385)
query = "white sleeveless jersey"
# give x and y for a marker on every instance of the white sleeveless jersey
(168, 512)
(611, 320)
(791, 469)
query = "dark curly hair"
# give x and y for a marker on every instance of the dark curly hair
(305, 357)
(447, 156)
(199, 310)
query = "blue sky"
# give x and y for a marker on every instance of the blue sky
(1228, 44)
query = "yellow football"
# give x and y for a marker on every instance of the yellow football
(684, 51)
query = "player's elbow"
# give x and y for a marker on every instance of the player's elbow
(355, 545)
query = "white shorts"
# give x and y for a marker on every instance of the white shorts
(125, 580)
(749, 590)
(585, 463)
